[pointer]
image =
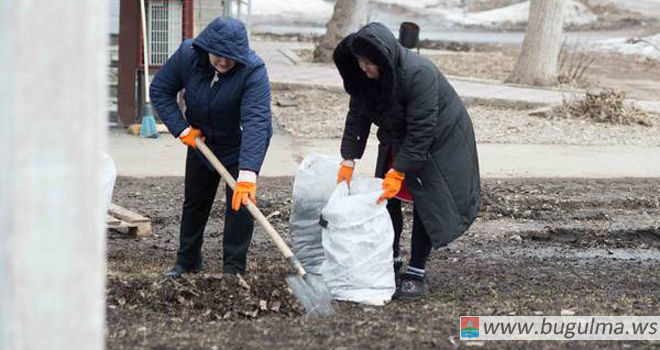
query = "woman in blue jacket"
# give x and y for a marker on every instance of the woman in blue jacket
(227, 96)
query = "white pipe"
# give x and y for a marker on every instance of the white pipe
(249, 18)
(145, 45)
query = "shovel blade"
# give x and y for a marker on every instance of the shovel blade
(316, 283)
(312, 293)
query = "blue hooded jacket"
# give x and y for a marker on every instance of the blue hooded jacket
(234, 114)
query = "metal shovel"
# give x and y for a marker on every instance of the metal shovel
(310, 289)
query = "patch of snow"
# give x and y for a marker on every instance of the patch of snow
(514, 14)
(575, 14)
(420, 3)
(446, 13)
(313, 11)
(647, 46)
(454, 15)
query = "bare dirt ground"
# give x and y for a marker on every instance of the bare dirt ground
(539, 247)
(317, 113)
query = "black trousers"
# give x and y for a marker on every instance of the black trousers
(201, 185)
(420, 245)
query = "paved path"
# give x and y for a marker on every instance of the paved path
(431, 31)
(165, 156)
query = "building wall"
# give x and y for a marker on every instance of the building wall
(205, 12)
(113, 78)
(130, 58)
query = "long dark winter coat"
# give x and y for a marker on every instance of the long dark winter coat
(234, 114)
(421, 120)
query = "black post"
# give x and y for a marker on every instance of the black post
(409, 35)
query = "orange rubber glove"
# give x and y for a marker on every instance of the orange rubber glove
(345, 171)
(246, 189)
(188, 136)
(391, 185)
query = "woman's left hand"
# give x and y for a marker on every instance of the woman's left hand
(246, 189)
(391, 185)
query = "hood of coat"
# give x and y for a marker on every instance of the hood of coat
(377, 43)
(226, 37)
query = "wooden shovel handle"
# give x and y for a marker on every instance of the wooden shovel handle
(256, 213)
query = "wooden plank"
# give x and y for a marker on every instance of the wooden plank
(137, 225)
(121, 224)
(109, 220)
(127, 215)
(143, 230)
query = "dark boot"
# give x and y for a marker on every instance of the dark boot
(178, 270)
(411, 287)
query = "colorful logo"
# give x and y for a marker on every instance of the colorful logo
(469, 327)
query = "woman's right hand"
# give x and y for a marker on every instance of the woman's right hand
(391, 185)
(345, 171)
(189, 135)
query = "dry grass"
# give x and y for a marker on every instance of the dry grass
(482, 65)
(573, 64)
(604, 106)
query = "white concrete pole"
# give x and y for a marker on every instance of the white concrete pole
(52, 128)
(226, 8)
(249, 19)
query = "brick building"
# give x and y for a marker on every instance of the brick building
(169, 22)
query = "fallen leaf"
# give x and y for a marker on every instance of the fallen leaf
(273, 214)
(275, 305)
(567, 312)
(474, 343)
(243, 283)
(452, 340)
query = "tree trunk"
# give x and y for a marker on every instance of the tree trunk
(537, 63)
(348, 16)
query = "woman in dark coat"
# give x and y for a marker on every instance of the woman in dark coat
(227, 97)
(427, 152)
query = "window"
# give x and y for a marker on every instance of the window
(165, 29)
